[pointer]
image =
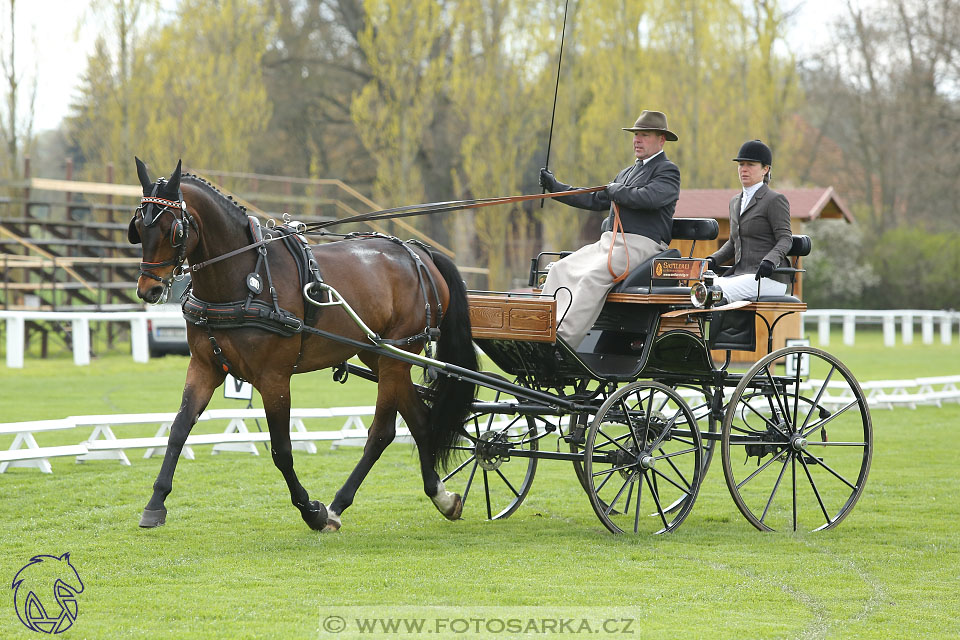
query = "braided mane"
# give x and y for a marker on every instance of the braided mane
(229, 205)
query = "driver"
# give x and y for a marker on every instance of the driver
(641, 200)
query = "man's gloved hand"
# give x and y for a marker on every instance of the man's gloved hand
(765, 270)
(712, 264)
(547, 181)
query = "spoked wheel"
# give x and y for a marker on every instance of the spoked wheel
(700, 399)
(643, 460)
(796, 448)
(493, 479)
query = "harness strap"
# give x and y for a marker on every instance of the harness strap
(206, 263)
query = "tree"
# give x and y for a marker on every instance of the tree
(402, 41)
(312, 69)
(195, 91)
(16, 119)
(839, 270)
(497, 128)
(887, 97)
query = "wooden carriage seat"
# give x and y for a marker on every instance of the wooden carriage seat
(683, 229)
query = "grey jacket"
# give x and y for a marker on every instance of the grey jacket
(647, 195)
(762, 232)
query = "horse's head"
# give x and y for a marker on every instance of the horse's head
(166, 239)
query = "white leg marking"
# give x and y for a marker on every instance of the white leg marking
(444, 500)
(333, 520)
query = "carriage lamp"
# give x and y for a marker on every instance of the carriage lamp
(705, 293)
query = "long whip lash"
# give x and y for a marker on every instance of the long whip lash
(556, 90)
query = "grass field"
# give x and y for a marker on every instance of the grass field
(235, 561)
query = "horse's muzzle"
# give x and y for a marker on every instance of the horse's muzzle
(152, 294)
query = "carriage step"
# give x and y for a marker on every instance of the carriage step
(812, 460)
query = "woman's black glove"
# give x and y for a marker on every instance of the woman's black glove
(765, 270)
(547, 181)
(712, 264)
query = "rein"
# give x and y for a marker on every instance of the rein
(395, 212)
(440, 207)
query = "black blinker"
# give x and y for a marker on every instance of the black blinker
(132, 234)
(176, 233)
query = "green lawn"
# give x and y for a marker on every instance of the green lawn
(234, 559)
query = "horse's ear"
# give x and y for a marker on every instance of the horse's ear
(145, 180)
(132, 234)
(173, 184)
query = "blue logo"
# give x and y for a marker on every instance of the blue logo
(45, 593)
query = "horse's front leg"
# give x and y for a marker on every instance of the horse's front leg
(200, 384)
(276, 405)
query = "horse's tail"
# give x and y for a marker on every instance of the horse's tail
(452, 397)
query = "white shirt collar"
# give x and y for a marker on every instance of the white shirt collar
(748, 193)
(651, 157)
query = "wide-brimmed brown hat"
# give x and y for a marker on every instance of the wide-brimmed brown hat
(653, 121)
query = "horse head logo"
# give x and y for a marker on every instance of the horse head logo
(45, 593)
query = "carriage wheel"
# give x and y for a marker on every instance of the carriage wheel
(643, 456)
(491, 480)
(699, 400)
(796, 448)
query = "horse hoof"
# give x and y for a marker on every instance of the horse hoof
(315, 515)
(151, 518)
(456, 510)
(333, 522)
(332, 527)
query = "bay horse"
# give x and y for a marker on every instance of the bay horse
(186, 219)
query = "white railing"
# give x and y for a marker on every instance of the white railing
(824, 318)
(103, 444)
(80, 330)
(907, 318)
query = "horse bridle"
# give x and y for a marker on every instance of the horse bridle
(179, 230)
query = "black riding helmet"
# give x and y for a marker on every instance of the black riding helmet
(755, 151)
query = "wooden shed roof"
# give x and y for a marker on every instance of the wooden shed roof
(805, 204)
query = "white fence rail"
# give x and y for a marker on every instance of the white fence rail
(906, 318)
(80, 330)
(103, 443)
(824, 318)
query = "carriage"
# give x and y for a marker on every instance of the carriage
(639, 409)
(642, 408)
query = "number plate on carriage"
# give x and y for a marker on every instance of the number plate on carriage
(678, 268)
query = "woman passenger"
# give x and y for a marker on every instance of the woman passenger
(760, 233)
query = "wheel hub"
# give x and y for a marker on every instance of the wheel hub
(798, 442)
(491, 452)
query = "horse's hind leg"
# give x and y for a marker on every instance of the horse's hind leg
(276, 405)
(200, 384)
(416, 414)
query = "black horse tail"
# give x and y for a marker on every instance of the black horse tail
(452, 396)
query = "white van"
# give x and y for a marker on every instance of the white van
(169, 336)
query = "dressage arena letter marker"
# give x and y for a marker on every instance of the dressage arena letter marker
(234, 389)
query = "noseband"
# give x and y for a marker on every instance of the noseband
(179, 230)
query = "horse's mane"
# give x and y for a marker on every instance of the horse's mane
(228, 204)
